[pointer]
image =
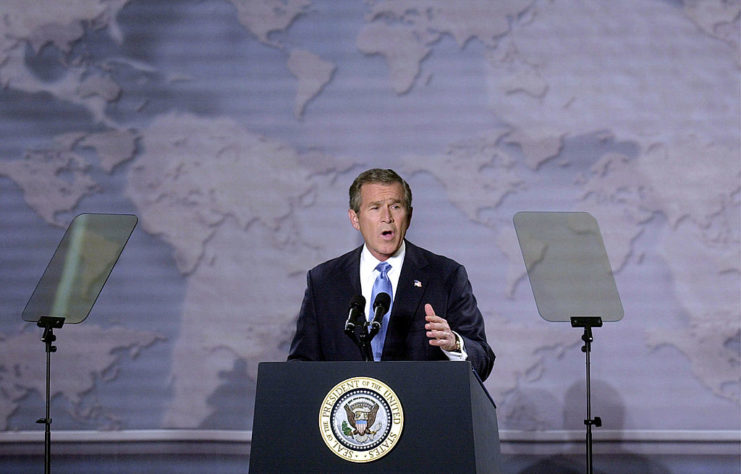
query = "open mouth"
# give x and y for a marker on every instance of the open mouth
(387, 234)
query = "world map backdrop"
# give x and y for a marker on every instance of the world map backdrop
(233, 129)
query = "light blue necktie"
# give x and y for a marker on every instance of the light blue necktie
(381, 285)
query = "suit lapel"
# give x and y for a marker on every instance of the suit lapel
(410, 289)
(349, 276)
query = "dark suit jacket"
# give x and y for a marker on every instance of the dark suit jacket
(444, 284)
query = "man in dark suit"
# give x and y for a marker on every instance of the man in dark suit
(433, 314)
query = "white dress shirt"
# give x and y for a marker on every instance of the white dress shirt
(368, 274)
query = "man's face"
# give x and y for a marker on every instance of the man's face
(382, 219)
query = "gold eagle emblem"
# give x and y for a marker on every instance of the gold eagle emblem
(362, 418)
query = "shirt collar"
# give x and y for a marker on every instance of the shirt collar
(368, 262)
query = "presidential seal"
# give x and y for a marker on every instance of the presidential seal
(361, 419)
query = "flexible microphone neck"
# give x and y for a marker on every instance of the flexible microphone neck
(355, 315)
(380, 308)
(356, 327)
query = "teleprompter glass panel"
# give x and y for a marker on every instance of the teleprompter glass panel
(567, 265)
(80, 267)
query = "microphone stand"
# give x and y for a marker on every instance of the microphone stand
(361, 338)
(380, 307)
(364, 337)
(365, 343)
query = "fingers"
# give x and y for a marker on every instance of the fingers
(438, 330)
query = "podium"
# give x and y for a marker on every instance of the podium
(346, 416)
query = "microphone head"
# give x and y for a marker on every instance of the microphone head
(358, 302)
(383, 301)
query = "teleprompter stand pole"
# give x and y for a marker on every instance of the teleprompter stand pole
(588, 323)
(49, 324)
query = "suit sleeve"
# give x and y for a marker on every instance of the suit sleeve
(464, 317)
(306, 344)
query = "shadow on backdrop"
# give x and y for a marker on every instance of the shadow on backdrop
(608, 404)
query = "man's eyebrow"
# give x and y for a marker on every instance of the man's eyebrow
(378, 203)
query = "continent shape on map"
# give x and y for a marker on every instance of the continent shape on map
(87, 353)
(56, 178)
(476, 173)
(263, 18)
(636, 190)
(53, 180)
(404, 31)
(60, 24)
(632, 88)
(113, 147)
(313, 74)
(200, 187)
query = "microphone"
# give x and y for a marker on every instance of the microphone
(380, 307)
(357, 308)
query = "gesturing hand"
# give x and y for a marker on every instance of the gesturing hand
(438, 330)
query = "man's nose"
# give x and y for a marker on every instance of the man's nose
(386, 215)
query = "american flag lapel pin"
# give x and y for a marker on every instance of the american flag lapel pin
(417, 284)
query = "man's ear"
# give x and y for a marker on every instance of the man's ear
(409, 220)
(353, 219)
